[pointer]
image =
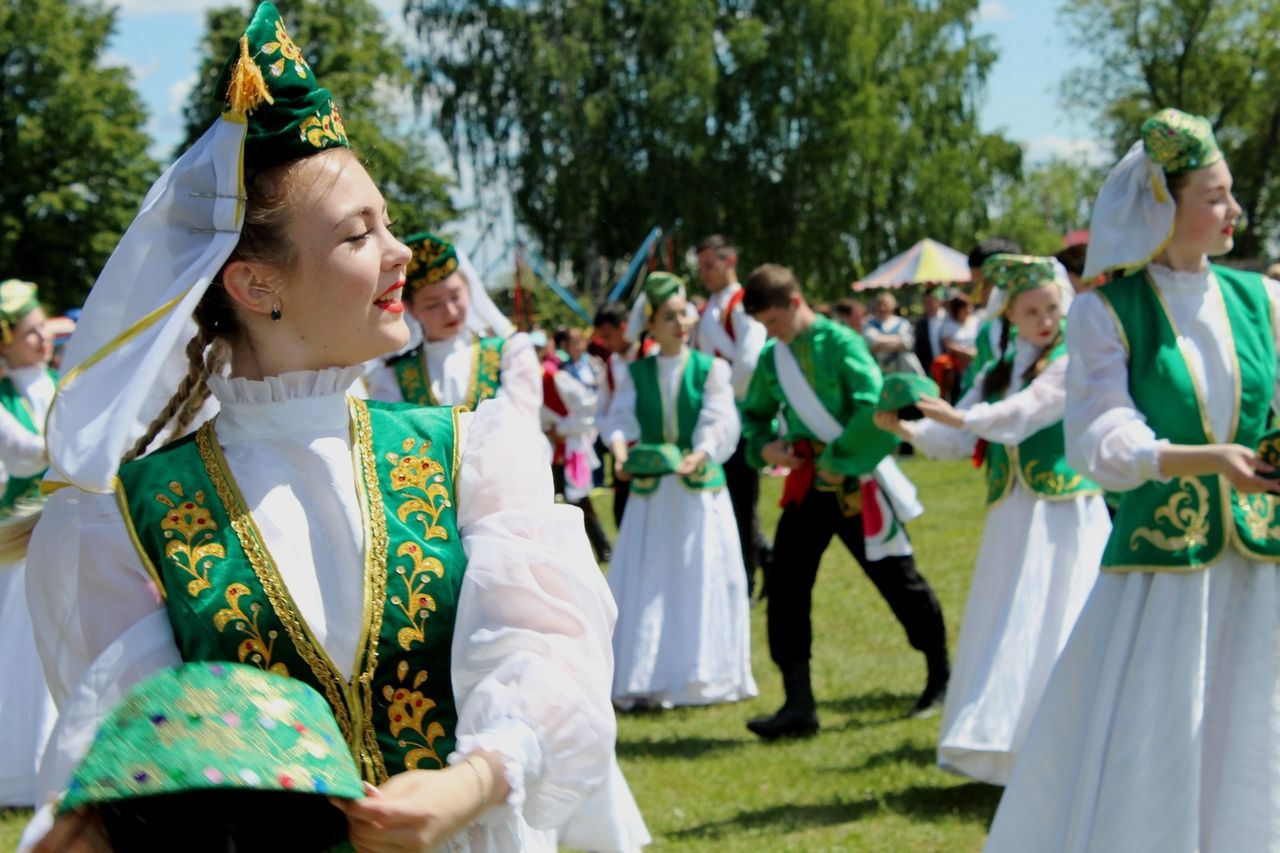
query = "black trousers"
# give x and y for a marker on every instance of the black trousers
(595, 531)
(804, 531)
(743, 484)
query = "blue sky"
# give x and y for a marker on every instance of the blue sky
(158, 39)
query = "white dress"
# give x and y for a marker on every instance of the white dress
(531, 661)
(1160, 728)
(683, 633)
(1037, 563)
(26, 709)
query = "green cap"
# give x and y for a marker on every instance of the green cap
(653, 460)
(1180, 142)
(661, 286)
(433, 260)
(268, 80)
(904, 389)
(1015, 274)
(216, 727)
(17, 300)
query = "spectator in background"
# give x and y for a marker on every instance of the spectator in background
(928, 332)
(850, 312)
(610, 337)
(959, 334)
(1072, 260)
(889, 336)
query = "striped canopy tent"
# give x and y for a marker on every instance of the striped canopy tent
(927, 262)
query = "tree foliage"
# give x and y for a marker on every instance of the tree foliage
(355, 57)
(1217, 58)
(825, 134)
(73, 150)
(1049, 201)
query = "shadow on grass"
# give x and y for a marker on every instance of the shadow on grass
(906, 753)
(674, 747)
(866, 709)
(782, 818)
(972, 801)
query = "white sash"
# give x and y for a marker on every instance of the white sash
(712, 336)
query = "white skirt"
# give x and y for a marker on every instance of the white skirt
(1160, 728)
(1038, 562)
(683, 631)
(26, 710)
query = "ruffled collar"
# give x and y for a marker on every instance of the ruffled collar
(1178, 280)
(305, 402)
(24, 377)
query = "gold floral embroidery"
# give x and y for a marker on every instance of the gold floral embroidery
(323, 130)
(416, 603)
(1187, 511)
(257, 649)
(190, 528)
(412, 386)
(487, 373)
(423, 479)
(288, 50)
(1050, 481)
(406, 712)
(1258, 511)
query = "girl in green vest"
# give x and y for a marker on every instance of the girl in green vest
(1157, 730)
(25, 392)
(407, 563)
(683, 633)
(1044, 533)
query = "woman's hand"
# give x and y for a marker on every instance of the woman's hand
(420, 809)
(941, 411)
(79, 831)
(891, 423)
(779, 455)
(1239, 464)
(620, 473)
(692, 462)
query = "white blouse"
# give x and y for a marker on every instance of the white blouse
(1024, 410)
(531, 656)
(718, 427)
(448, 365)
(1106, 434)
(22, 451)
(743, 349)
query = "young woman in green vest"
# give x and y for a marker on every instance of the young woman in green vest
(408, 563)
(1045, 529)
(1158, 729)
(683, 633)
(25, 392)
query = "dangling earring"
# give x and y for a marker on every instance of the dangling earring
(275, 311)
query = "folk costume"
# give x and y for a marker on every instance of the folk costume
(825, 384)
(476, 619)
(726, 331)
(473, 366)
(572, 400)
(1045, 530)
(683, 632)
(1157, 728)
(26, 709)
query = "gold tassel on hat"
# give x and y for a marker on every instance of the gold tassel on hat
(248, 89)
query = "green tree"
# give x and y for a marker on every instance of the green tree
(1052, 199)
(355, 57)
(826, 134)
(73, 150)
(1217, 58)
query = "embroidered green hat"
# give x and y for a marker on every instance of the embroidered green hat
(653, 460)
(904, 389)
(433, 260)
(214, 743)
(661, 286)
(268, 81)
(1180, 142)
(17, 300)
(1016, 274)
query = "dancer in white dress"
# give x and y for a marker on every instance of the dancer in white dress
(683, 633)
(1158, 729)
(26, 709)
(406, 562)
(1044, 533)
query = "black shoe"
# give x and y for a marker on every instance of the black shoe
(792, 720)
(935, 689)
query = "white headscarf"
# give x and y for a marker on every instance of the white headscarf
(1132, 219)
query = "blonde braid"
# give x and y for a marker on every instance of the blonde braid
(214, 358)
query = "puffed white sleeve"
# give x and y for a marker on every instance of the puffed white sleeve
(521, 376)
(752, 337)
(1024, 413)
(21, 451)
(532, 661)
(620, 421)
(718, 428)
(100, 627)
(939, 441)
(384, 386)
(1107, 437)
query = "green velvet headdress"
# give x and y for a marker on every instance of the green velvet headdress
(433, 260)
(268, 80)
(661, 286)
(1180, 142)
(17, 300)
(1016, 274)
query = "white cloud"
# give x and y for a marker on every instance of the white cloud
(993, 10)
(136, 69)
(179, 92)
(1051, 146)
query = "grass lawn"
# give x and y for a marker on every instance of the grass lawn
(868, 780)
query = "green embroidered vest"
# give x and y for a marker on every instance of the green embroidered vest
(20, 488)
(486, 374)
(1039, 462)
(227, 601)
(652, 409)
(1186, 523)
